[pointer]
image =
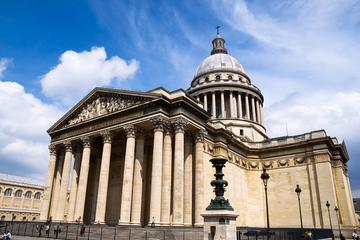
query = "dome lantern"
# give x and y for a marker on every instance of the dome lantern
(218, 44)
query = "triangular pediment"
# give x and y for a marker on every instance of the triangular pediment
(101, 102)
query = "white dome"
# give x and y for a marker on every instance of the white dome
(219, 62)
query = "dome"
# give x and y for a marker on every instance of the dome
(219, 62)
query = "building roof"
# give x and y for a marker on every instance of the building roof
(20, 179)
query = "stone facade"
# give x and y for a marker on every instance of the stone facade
(20, 198)
(143, 157)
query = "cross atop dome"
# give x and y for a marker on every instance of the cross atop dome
(218, 43)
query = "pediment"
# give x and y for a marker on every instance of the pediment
(101, 102)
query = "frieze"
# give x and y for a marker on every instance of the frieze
(102, 106)
(283, 162)
(267, 164)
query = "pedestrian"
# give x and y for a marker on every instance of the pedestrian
(82, 230)
(355, 236)
(47, 229)
(57, 230)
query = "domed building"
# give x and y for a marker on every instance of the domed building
(143, 157)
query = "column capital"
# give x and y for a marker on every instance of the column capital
(106, 136)
(86, 141)
(68, 146)
(130, 131)
(179, 124)
(200, 135)
(52, 149)
(158, 123)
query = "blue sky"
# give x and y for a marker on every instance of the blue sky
(303, 55)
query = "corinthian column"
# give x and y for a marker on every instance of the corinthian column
(45, 207)
(258, 111)
(213, 104)
(74, 187)
(57, 183)
(247, 115)
(104, 178)
(205, 102)
(128, 175)
(240, 105)
(166, 177)
(231, 102)
(178, 193)
(156, 174)
(199, 178)
(188, 181)
(253, 109)
(223, 114)
(139, 177)
(83, 180)
(60, 211)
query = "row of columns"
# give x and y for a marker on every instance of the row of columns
(236, 104)
(133, 178)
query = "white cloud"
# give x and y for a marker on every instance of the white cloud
(336, 112)
(3, 65)
(79, 72)
(23, 125)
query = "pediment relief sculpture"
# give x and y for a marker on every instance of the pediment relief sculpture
(102, 106)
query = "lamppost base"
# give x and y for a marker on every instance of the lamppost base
(219, 224)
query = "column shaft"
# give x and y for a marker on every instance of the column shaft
(188, 182)
(166, 180)
(231, 103)
(103, 179)
(240, 105)
(199, 178)
(56, 188)
(258, 117)
(45, 207)
(178, 193)
(213, 104)
(74, 187)
(253, 109)
(205, 102)
(156, 174)
(223, 114)
(139, 178)
(128, 176)
(262, 113)
(60, 211)
(247, 115)
(83, 180)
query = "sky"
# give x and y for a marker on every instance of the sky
(303, 55)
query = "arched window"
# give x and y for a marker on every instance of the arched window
(2, 218)
(230, 77)
(8, 192)
(207, 79)
(18, 193)
(24, 219)
(28, 194)
(34, 218)
(217, 77)
(37, 195)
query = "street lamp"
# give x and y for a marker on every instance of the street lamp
(265, 177)
(337, 217)
(298, 191)
(328, 208)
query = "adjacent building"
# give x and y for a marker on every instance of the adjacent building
(20, 198)
(143, 157)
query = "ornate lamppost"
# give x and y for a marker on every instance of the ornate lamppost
(337, 217)
(219, 184)
(298, 191)
(265, 177)
(328, 208)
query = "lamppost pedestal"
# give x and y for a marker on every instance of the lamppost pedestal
(219, 224)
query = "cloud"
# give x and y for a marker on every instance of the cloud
(336, 112)
(23, 125)
(3, 65)
(79, 72)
